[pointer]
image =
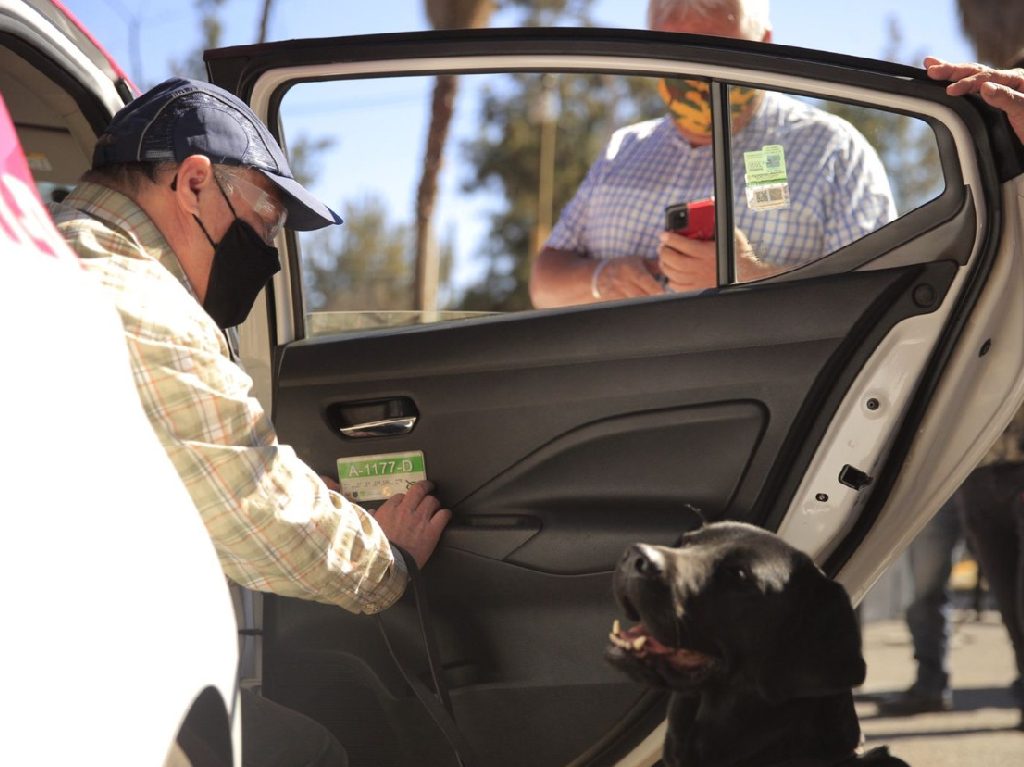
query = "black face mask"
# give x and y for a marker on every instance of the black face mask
(242, 265)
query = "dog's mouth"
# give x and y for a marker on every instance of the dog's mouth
(639, 643)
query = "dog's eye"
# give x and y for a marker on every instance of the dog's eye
(737, 573)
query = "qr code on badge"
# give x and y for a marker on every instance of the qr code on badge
(768, 196)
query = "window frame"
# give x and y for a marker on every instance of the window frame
(270, 87)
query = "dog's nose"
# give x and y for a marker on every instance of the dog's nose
(643, 560)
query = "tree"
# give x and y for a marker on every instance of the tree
(303, 154)
(446, 14)
(442, 14)
(365, 267)
(995, 28)
(548, 13)
(504, 156)
(209, 19)
(261, 32)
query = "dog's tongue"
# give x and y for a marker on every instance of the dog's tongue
(639, 641)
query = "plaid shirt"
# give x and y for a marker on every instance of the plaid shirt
(274, 523)
(838, 188)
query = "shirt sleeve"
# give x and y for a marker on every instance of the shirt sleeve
(275, 525)
(570, 229)
(860, 198)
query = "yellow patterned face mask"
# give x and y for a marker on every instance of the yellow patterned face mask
(689, 103)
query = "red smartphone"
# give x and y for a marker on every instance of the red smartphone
(692, 219)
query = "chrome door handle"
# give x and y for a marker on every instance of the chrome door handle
(387, 427)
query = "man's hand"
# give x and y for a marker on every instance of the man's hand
(691, 264)
(1000, 88)
(629, 277)
(566, 278)
(414, 520)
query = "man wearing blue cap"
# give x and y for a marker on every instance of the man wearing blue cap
(177, 219)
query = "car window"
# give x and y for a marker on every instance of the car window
(811, 176)
(520, 150)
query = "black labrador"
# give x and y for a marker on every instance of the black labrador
(759, 648)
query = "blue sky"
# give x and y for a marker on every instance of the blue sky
(169, 28)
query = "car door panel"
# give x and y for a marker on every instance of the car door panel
(510, 666)
(557, 440)
(619, 477)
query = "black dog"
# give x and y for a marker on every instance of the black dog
(759, 648)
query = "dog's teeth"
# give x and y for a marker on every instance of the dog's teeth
(619, 641)
(616, 628)
(639, 642)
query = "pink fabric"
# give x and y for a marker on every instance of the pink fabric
(25, 226)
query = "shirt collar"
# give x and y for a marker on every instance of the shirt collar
(671, 132)
(124, 214)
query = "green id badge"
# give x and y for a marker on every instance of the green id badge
(366, 478)
(767, 182)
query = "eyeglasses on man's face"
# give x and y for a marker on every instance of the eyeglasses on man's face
(270, 213)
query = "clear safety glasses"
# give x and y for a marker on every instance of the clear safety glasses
(271, 214)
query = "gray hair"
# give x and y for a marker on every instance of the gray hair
(751, 15)
(128, 177)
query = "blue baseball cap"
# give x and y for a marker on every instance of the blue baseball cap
(179, 118)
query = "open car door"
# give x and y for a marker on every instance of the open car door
(838, 403)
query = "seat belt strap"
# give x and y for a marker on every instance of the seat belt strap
(437, 702)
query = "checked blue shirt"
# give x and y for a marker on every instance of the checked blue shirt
(837, 186)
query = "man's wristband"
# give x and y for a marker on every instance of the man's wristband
(594, 290)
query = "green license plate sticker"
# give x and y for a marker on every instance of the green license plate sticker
(366, 478)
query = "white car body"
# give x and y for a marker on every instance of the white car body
(119, 615)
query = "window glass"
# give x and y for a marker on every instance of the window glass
(585, 162)
(811, 176)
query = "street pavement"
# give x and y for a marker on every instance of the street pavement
(981, 729)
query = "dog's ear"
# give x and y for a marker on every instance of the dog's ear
(694, 521)
(697, 516)
(818, 651)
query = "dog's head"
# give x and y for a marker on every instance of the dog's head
(734, 605)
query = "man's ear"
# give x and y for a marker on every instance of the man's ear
(194, 174)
